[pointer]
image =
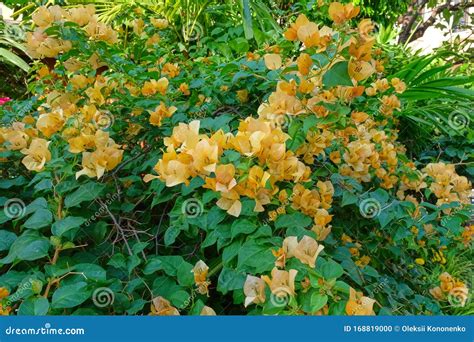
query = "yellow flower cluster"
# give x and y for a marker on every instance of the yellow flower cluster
(40, 44)
(451, 289)
(190, 154)
(447, 185)
(282, 282)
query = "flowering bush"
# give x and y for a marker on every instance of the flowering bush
(140, 180)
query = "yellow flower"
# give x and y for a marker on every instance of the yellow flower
(4, 293)
(16, 140)
(292, 32)
(399, 85)
(162, 307)
(36, 155)
(207, 311)
(254, 290)
(243, 95)
(230, 201)
(172, 70)
(282, 283)
(161, 112)
(272, 61)
(184, 88)
(420, 261)
(159, 23)
(307, 251)
(152, 87)
(50, 123)
(340, 13)
(359, 305)
(304, 63)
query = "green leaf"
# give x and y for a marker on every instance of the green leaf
(293, 220)
(6, 240)
(337, 75)
(185, 274)
(40, 219)
(11, 58)
(331, 270)
(242, 226)
(348, 198)
(86, 192)
(318, 301)
(62, 226)
(34, 307)
(240, 45)
(255, 258)
(229, 280)
(70, 296)
(29, 246)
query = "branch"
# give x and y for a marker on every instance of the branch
(434, 13)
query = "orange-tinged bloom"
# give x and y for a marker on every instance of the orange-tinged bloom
(304, 63)
(162, 307)
(272, 61)
(292, 32)
(36, 155)
(207, 311)
(152, 87)
(50, 123)
(161, 112)
(4, 293)
(254, 290)
(282, 283)
(340, 13)
(230, 201)
(307, 251)
(359, 305)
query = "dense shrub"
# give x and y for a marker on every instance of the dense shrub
(137, 179)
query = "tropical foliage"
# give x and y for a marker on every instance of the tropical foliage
(232, 173)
